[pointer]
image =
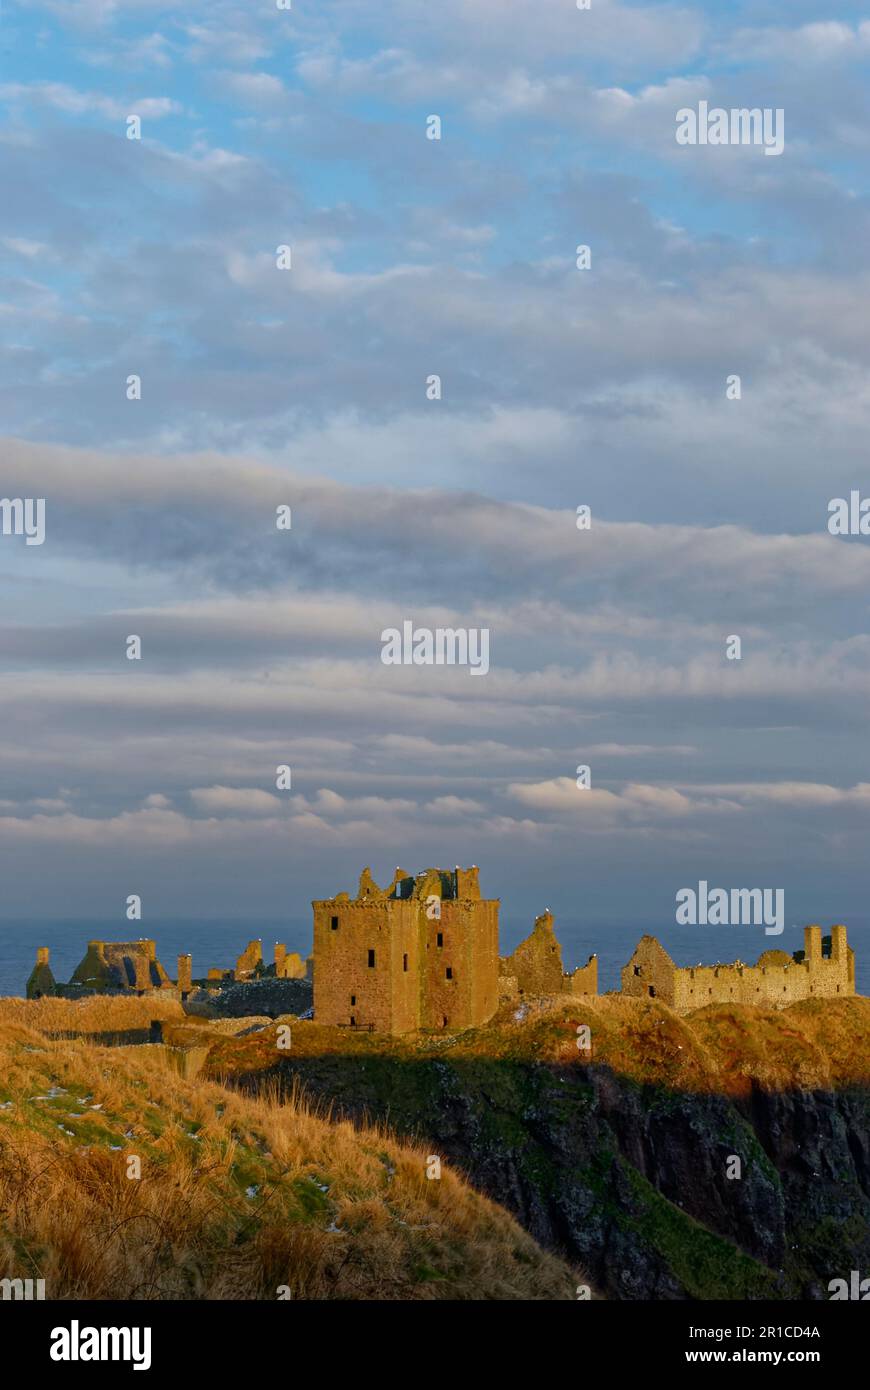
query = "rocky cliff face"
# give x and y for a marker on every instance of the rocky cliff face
(629, 1179)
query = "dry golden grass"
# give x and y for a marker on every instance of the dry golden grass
(723, 1047)
(237, 1196)
(98, 1013)
(727, 1048)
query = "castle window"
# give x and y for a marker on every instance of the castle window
(637, 970)
(652, 991)
(333, 922)
(405, 962)
(443, 1020)
(439, 940)
(352, 1000)
(352, 1021)
(450, 972)
(371, 960)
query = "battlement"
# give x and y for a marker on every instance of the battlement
(825, 968)
(420, 953)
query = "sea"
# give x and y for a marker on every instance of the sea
(218, 942)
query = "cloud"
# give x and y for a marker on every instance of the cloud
(561, 387)
(234, 800)
(71, 102)
(635, 804)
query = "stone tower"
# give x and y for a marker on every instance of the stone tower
(421, 953)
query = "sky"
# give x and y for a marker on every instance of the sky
(306, 387)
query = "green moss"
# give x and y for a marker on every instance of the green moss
(706, 1265)
(313, 1202)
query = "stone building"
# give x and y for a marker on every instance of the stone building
(108, 967)
(420, 953)
(132, 967)
(535, 967)
(287, 965)
(42, 981)
(824, 969)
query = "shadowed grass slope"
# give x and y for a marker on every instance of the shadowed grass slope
(237, 1196)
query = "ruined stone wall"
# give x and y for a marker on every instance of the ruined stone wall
(650, 972)
(583, 980)
(120, 965)
(41, 983)
(289, 965)
(250, 961)
(537, 962)
(185, 972)
(776, 979)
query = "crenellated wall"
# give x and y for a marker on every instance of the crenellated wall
(421, 953)
(825, 968)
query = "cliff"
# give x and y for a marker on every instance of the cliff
(618, 1159)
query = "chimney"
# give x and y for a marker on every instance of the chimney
(185, 970)
(467, 885)
(42, 955)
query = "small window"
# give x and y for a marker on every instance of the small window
(405, 963)
(352, 1000)
(652, 991)
(371, 960)
(450, 972)
(443, 1020)
(333, 922)
(637, 970)
(439, 940)
(352, 1021)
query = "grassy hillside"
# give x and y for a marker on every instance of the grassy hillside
(617, 1156)
(237, 1197)
(621, 1156)
(722, 1049)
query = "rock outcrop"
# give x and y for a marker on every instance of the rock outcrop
(629, 1179)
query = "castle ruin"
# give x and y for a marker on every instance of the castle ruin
(824, 969)
(420, 953)
(132, 967)
(535, 967)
